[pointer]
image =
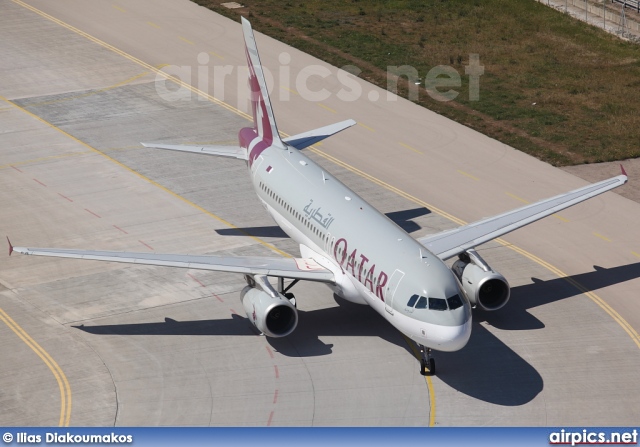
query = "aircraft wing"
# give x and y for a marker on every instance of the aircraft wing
(450, 243)
(294, 268)
(221, 151)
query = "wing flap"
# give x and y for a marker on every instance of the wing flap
(294, 268)
(220, 151)
(450, 243)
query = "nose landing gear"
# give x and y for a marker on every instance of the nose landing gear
(427, 363)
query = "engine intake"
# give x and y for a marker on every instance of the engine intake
(484, 287)
(273, 316)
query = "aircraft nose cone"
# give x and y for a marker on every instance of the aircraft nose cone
(455, 338)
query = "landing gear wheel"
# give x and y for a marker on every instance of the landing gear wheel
(291, 297)
(432, 366)
(424, 370)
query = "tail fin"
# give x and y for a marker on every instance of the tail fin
(263, 120)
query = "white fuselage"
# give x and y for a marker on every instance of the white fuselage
(374, 261)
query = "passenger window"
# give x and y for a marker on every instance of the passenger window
(422, 303)
(437, 304)
(412, 301)
(454, 302)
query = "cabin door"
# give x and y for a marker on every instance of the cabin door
(390, 290)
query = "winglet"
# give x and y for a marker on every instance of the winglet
(623, 171)
(10, 246)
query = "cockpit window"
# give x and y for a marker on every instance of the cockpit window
(412, 301)
(422, 303)
(454, 301)
(437, 304)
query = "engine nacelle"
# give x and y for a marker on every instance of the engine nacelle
(484, 287)
(274, 317)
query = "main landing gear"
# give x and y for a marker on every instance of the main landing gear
(427, 363)
(288, 295)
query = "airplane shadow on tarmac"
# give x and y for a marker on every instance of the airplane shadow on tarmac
(347, 319)
(485, 369)
(401, 218)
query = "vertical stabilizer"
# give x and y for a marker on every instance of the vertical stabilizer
(263, 119)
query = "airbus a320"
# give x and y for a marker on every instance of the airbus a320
(346, 243)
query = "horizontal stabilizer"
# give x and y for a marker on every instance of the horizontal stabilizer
(306, 139)
(220, 151)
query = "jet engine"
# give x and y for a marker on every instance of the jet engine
(484, 287)
(274, 316)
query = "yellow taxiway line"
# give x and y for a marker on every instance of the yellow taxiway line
(91, 148)
(63, 383)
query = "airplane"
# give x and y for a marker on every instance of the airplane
(345, 243)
